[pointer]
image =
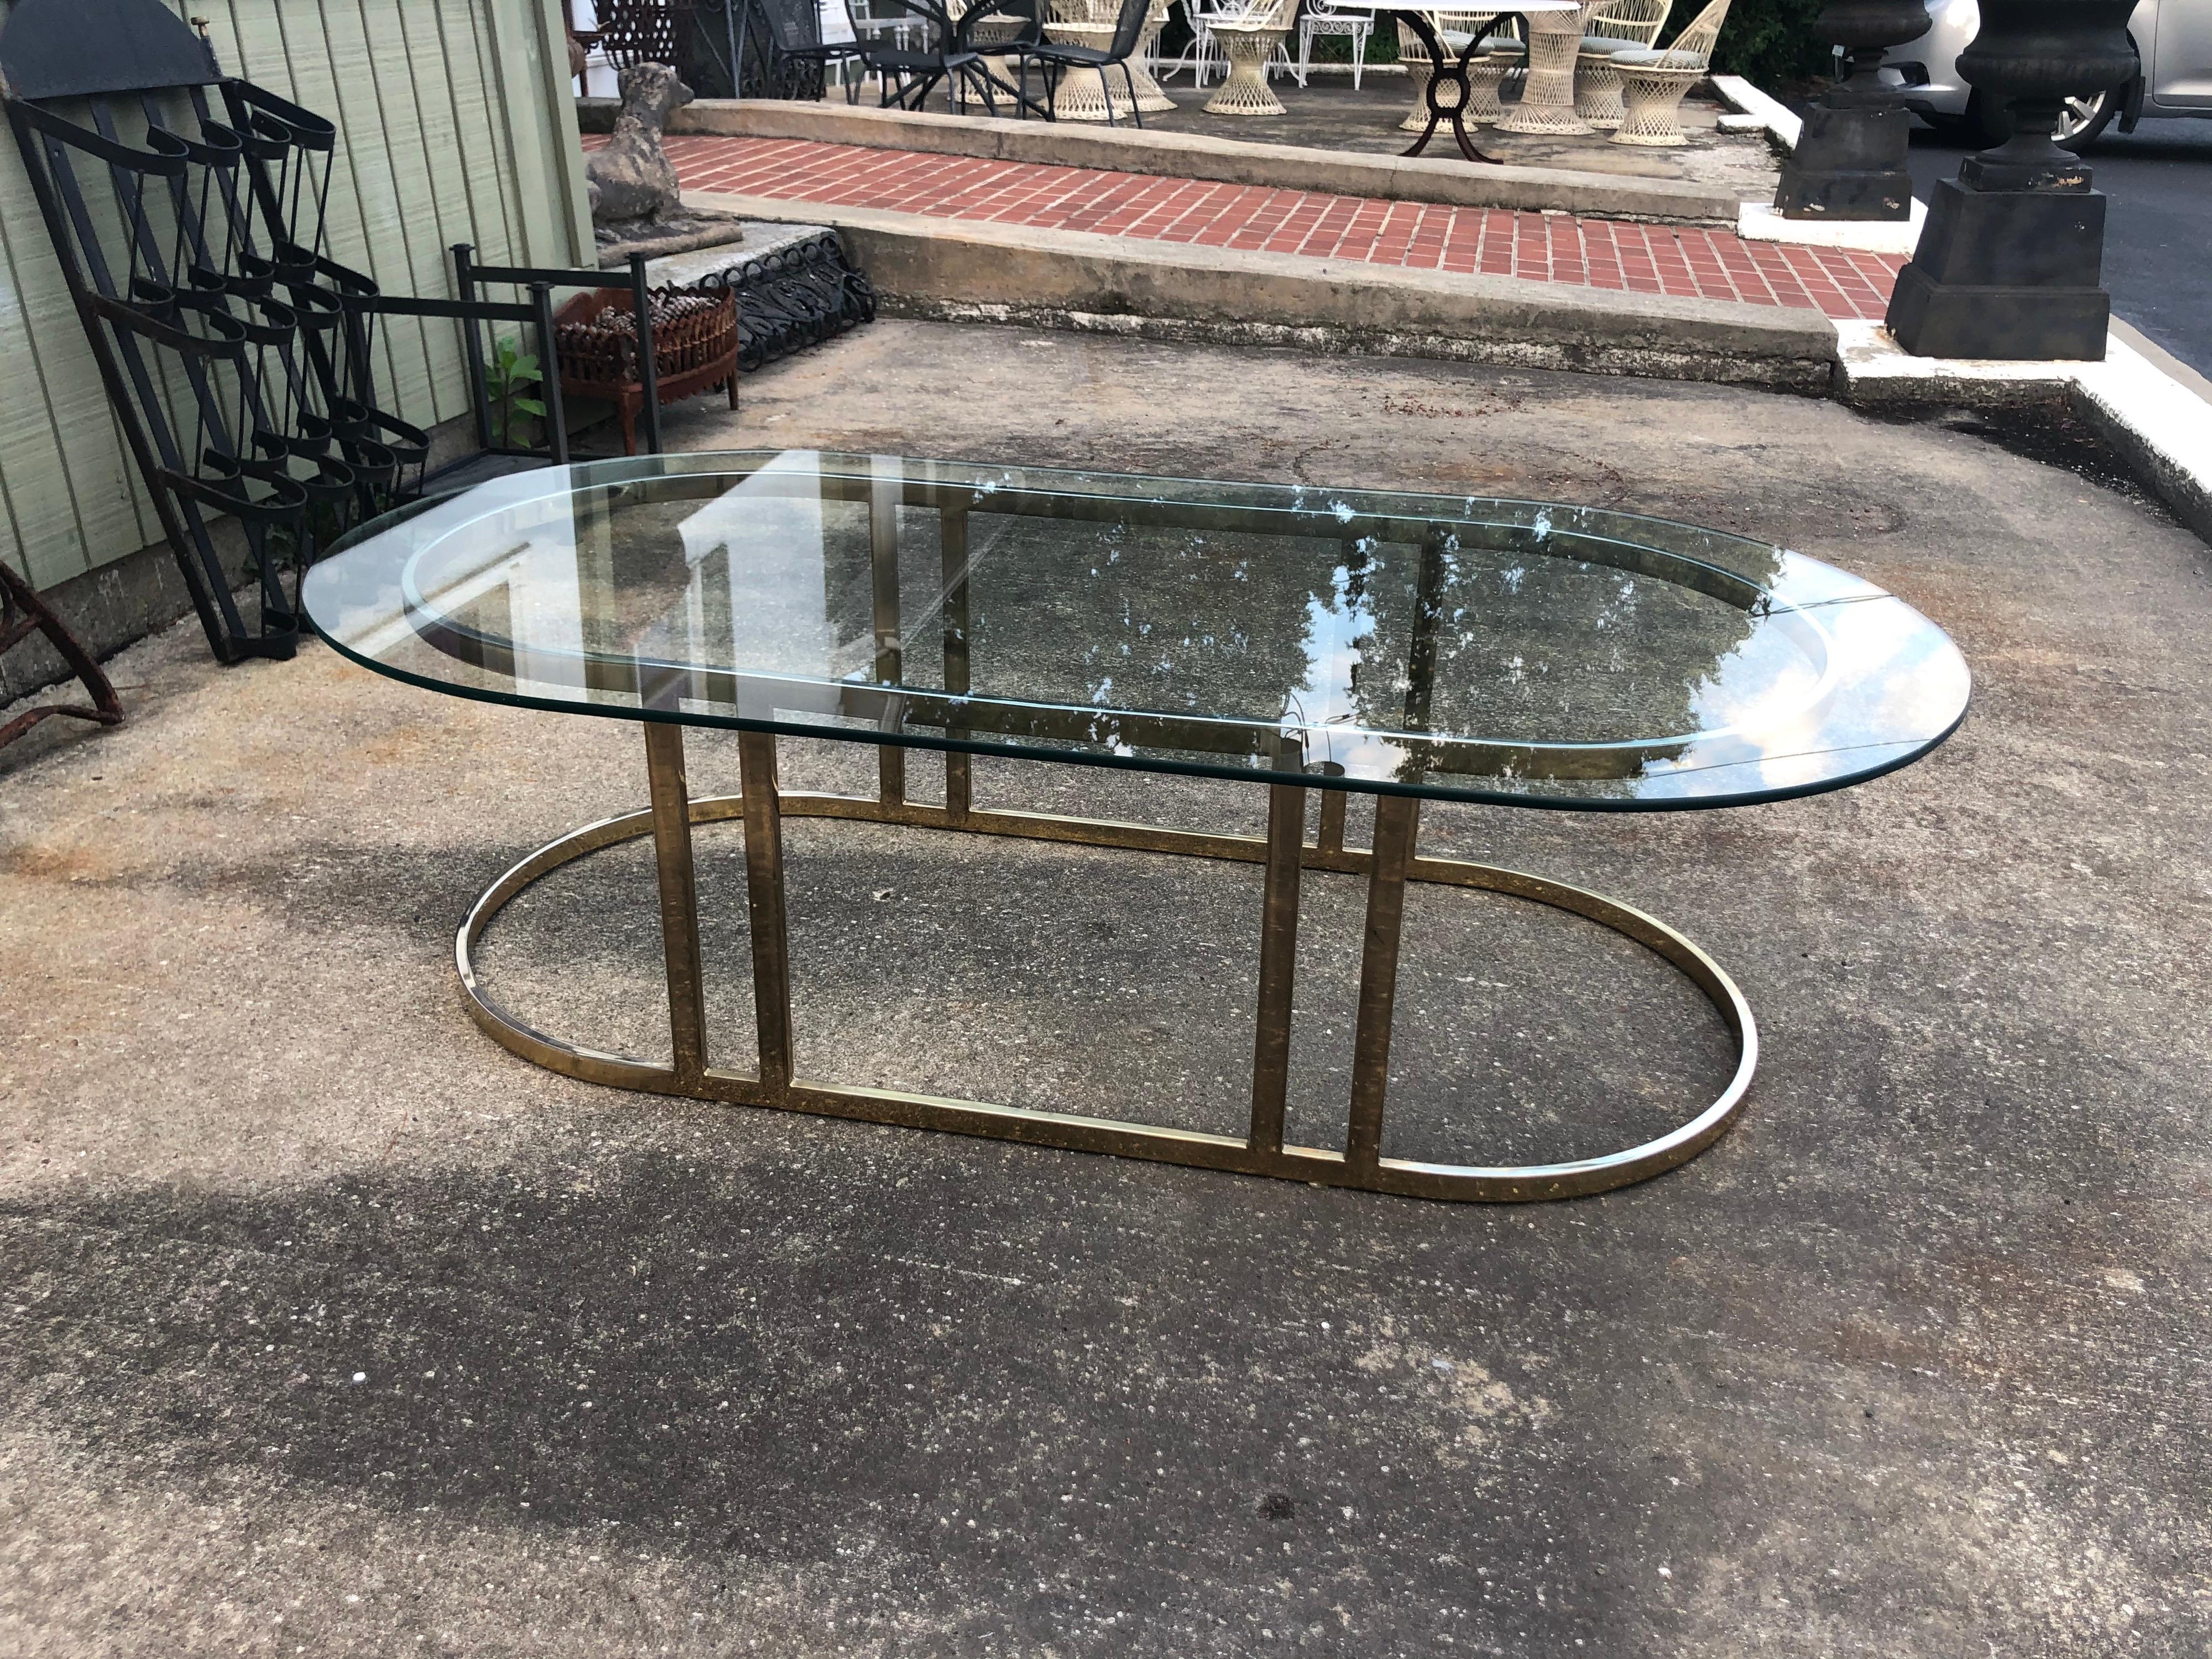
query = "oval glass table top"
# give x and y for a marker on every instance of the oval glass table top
(1457, 648)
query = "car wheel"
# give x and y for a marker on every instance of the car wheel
(2079, 123)
(2083, 118)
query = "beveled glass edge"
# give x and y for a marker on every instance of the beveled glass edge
(647, 467)
(1911, 750)
(1595, 535)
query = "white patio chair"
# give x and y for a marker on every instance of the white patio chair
(1619, 26)
(1321, 18)
(1239, 28)
(1652, 83)
(1234, 14)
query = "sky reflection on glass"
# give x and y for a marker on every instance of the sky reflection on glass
(1467, 647)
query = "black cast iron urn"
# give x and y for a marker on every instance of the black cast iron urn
(1849, 162)
(2010, 263)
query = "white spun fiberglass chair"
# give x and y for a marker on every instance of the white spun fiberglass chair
(1509, 47)
(1652, 83)
(1203, 57)
(1251, 34)
(1619, 26)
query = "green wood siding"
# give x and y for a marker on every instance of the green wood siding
(455, 125)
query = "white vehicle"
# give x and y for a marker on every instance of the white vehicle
(2173, 77)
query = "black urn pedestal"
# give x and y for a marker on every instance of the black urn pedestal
(2007, 270)
(1849, 159)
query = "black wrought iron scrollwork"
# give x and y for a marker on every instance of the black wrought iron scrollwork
(795, 297)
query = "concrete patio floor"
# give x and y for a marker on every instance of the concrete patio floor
(332, 1328)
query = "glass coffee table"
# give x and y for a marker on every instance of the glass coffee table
(1308, 641)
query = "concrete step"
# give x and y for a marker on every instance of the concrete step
(926, 265)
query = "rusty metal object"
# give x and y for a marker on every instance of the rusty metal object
(23, 613)
(694, 335)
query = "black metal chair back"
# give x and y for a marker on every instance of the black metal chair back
(905, 75)
(795, 25)
(776, 44)
(1129, 29)
(1057, 60)
(1028, 13)
(644, 31)
(945, 33)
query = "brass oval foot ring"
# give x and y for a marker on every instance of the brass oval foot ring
(1357, 1165)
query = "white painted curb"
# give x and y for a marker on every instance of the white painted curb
(1758, 222)
(2155, 417)
(1762, 110)
(1873, 363)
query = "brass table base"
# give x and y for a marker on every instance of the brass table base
(1388, 865)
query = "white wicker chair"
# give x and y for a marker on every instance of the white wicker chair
(1619, 26)
(1321, 18)
(1652, 83)
(1239, 28)
(1510, 41)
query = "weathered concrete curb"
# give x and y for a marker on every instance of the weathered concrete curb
(1781, 126)
(2156, 413)
(950, 268)
(1186, 156)
(1872, 372)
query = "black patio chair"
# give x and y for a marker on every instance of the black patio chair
(797, 54)
(908, 76)
(1028, 21)
(1055, 59)
(642, 30)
